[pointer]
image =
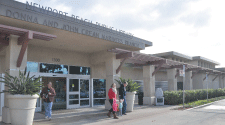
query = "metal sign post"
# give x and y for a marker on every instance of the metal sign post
(183, 84)
(207, 85)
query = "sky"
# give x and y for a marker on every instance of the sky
(190, 27)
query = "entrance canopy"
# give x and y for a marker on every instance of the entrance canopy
(136, 59)
(24, 37)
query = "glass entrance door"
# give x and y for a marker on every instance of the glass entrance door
(78, 93)
(84, 92)
(73, 95)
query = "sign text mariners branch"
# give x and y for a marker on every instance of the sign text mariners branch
(72, 27)
(54, 12)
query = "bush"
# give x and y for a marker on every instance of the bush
(176, 97)
(23, 84)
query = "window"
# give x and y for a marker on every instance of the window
(32, 67)
(99, 91)
(53, 68)
(79, 70)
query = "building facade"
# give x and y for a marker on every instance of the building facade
(80, 59)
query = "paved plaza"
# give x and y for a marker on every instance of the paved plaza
(213, 114)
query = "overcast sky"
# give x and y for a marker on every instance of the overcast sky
(190, 27)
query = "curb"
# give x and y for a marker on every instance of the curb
(200, 106)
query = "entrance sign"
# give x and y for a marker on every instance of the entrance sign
(29, 12)
(57, 13)
(181, 72)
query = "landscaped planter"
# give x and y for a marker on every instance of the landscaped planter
(130, 97)
(22, 108)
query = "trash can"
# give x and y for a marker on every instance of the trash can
(140, 98)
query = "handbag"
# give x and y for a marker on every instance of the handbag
(115, 105)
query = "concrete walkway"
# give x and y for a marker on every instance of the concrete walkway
(87, 115)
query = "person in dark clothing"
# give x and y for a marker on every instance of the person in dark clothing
(122, 95)
(47, 94)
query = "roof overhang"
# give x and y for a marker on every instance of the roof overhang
(140, 59)
(204, 59)
(173, 54)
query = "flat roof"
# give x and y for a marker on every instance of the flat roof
(204, 59)
(33, 13)
(173, 54)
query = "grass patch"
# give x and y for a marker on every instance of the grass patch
(201, 102)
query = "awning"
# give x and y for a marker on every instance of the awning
(136, 59)
(24, 37)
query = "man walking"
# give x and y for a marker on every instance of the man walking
(122, 95)
(47, 95)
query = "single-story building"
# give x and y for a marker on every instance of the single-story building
(82, 59)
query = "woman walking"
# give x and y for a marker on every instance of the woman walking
(112, 95)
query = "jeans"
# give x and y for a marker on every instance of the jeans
(111, 102)
(48, 109)
(121, 112)
(124, 109)
(124, 105)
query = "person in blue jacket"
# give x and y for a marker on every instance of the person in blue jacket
(122, 95)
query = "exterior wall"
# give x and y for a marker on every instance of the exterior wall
(161, 76)
(98, 71)
(2, 64)
(195, 62)
(132, 73)
(41, 54)
(198, 81)
(179, 79)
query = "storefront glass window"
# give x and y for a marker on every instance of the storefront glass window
(74, 85)
(99, 101)
(79, 70)
(53, 68)
(84, 102)
(84, 88)
(32, 67)
(73, 102)
(99, 91)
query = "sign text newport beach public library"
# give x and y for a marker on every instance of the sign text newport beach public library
(79, 25)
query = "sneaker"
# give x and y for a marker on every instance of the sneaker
(125, 114)
(46, 117)
(50, 118)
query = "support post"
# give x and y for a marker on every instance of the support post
(149, 85)
(111, 64)
(172, 81)
(188, 81)
(12, 53)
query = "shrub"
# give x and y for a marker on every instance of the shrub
(176, 97)
(23, 84)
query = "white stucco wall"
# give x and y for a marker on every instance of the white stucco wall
(132, 73)
(161, 76)
(98, 71)
(2, 64)
(42, 54)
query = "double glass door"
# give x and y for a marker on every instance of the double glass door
(78, 93)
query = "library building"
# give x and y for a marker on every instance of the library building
(82, 58)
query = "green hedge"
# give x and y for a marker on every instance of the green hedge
(176, 97)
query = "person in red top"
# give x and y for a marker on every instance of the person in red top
(112, 94)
